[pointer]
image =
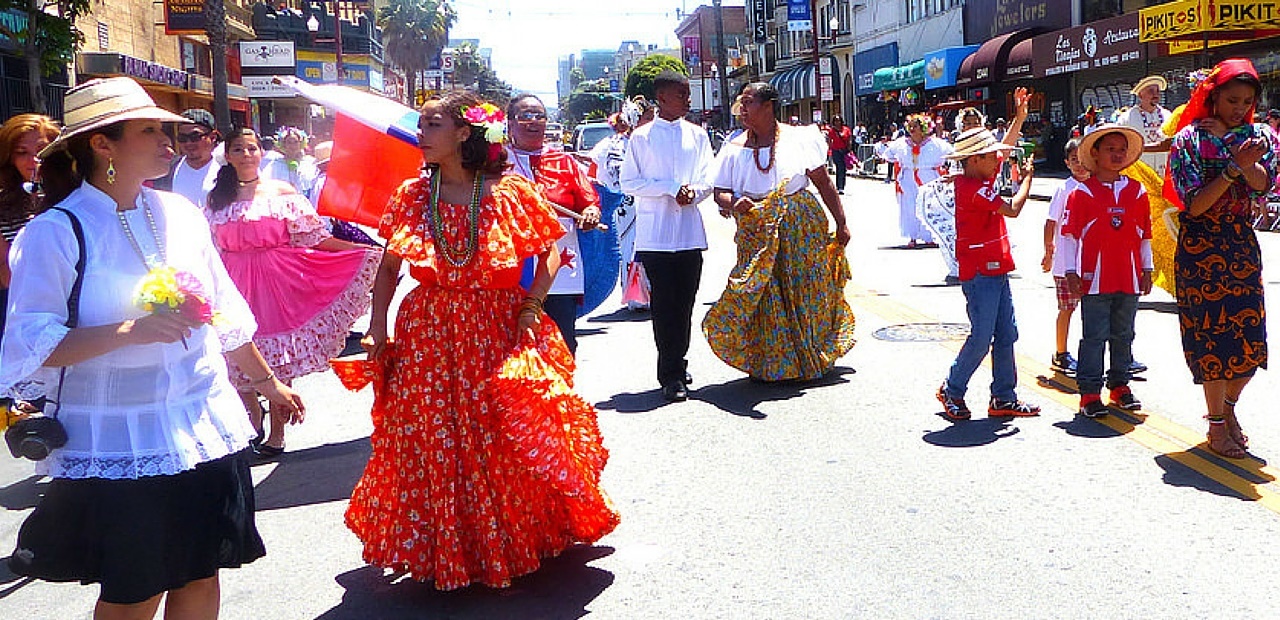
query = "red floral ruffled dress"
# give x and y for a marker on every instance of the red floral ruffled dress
(484, 460)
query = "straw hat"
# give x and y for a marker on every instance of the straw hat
(1135, 143)
(1158, 81)
(98, 103)
(977, 141)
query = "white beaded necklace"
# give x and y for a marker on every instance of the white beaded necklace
(155, 233)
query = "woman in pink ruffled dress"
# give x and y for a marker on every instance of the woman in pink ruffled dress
(305, 287)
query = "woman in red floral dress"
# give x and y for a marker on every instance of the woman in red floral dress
(484, 460)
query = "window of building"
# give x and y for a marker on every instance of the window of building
(195, 57)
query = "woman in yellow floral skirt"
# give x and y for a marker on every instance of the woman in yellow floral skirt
(783, 315)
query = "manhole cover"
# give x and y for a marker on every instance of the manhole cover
(923, 332)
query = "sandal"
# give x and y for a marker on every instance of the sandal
(1233, 424)
(1226, 446)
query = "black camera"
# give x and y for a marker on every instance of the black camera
(34, 436)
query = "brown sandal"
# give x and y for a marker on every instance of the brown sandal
(1233, 425)
(1226, 445)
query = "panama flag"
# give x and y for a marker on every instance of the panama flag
(375, 148)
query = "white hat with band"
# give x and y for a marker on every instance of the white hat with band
(98, 103)
(977, 141)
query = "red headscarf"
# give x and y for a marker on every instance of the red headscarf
(1227, 70)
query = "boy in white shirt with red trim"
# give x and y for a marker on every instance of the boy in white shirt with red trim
(1107, 246)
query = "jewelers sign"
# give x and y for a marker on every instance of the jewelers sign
(1095, 45)
(184, 16)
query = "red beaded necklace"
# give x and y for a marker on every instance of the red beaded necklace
(773, 150)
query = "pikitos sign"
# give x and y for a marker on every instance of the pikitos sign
(1189, 17)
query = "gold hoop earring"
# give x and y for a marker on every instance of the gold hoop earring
(111, 171)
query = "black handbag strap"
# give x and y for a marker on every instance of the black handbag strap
(73, 299)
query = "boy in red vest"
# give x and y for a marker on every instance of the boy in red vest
(1107, 246)
(985, 260)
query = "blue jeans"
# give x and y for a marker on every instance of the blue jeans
(1107, 320)
(989, 303)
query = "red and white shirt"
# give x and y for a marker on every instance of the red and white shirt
(1107, 237)
(982, 241)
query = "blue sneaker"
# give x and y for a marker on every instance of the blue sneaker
(1064, 363)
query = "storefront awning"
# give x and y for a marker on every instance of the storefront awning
(942, 66)
(897, 78)
(796, 83)
(1224, 19)
(1018, 65)
(987, 64)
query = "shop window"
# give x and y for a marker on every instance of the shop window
(196, 58)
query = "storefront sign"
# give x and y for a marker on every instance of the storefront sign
(147, 70)
(825, 91)
(1189, 17)
(12, 21)
(941, 67)
(988, 19)
(798, 17)
(865, 64)
(267, 54)
(319, 68)
(895, 78)
(1188, 46)
(1096, 45)
(261, 86)
(760, 20)
(184, 17)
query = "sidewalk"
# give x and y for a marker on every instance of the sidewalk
(1042, 186)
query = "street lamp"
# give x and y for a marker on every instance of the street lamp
(853, 16)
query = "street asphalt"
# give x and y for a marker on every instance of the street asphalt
(849, 497)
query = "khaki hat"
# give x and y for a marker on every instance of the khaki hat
(1158, 81)
(98, 103)
(1085, 150)
(977, 141)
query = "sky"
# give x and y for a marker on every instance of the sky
(528, 36)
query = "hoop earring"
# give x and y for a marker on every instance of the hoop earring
(111, 171)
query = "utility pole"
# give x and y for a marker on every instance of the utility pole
(817, 68)
(721, 60)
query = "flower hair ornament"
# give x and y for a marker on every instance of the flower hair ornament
(494, 122)
(925, 121)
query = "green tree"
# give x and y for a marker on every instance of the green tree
(576, 76)
(414, 32)
(591, 100)
(640, 79)
(470, 71)
(49, 41)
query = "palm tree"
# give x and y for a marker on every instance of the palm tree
(215, 13)
(414, 32)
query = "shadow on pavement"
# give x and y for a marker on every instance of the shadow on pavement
(743, 397)
(622, 315)
(971, 434)
(23, 494)
(314, 476)
(9, 582)
(562, 588)
(634, 402)
(1250, 470)
(1080, 426)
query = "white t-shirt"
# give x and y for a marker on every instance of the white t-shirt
(194, 183)
(800, 149)
(1058, 213)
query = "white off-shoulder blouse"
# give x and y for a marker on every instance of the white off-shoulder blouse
(141, 410)
(800, 150)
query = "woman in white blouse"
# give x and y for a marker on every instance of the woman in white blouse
(783, 314)
(151, 493)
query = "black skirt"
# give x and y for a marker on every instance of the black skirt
(139, 538)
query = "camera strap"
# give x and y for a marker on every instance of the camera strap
(73, 300)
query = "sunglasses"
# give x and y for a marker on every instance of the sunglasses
(529, 117)
(192, 136)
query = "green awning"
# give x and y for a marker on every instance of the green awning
(904, 76)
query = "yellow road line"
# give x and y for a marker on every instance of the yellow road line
(1156, 432)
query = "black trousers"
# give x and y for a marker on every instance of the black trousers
(673, 279)
(563, 310)
(838, 157)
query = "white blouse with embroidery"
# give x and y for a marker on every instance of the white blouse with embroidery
(800, 150)
(140, 410)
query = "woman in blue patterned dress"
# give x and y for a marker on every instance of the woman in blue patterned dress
(1222, 174)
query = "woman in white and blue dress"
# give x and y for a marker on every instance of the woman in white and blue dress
(151, 494)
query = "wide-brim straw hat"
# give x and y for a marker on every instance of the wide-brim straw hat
(1131, 136)
(977, 141)
(1158, 81)
(101, 102)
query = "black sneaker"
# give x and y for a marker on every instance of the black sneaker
(1064, 363)
(1123, 398)
(953, 408)
(1094, 409)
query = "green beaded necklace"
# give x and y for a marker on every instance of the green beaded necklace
(456, 256)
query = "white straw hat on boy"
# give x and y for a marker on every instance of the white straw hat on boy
(98, 103)
(1131, 135)
(977, 141)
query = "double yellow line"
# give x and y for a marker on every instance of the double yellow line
(1250, 478)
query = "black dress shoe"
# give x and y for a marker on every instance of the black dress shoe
(675, 392)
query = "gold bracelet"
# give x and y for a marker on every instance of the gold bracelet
(271, 374)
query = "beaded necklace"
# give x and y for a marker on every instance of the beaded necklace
(456, 256)
(773, 149)
(155, 233)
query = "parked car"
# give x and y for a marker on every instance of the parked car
(554, 133)
(587, 135)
